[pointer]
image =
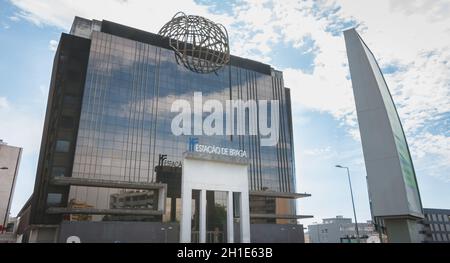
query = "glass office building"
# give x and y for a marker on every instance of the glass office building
(108, 123)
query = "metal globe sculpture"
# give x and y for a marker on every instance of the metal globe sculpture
(199, 44)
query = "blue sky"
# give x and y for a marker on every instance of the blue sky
(302, 38)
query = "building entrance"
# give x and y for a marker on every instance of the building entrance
(214, 195)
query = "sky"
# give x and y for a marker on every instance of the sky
(410, 38)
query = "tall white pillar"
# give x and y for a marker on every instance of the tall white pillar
(186, 206)
(245, 218)
(230, 225)
(203, 216)
(162, 199)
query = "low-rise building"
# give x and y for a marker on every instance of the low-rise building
(339, 230)
(436, 225)
(9, 166)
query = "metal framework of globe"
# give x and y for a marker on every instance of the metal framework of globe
(199, 44)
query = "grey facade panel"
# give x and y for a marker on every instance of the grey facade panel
(390, 173)
(64, 103)
(271, 233)
(120, 232)
(154, 232)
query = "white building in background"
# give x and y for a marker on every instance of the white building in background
(9, 166)
(339, 230)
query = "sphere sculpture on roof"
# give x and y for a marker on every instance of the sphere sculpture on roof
(199, 44)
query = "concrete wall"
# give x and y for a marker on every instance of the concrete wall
(403, 231)
(43, 234)
(119, 232)
(150, 232)
(271, 233)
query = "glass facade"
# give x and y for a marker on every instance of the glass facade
(54, 198)
(109, 120)
(125, 122)
(62, 146)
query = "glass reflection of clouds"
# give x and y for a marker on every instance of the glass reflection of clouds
(125, 120)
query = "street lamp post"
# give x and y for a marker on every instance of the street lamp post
(353, 202)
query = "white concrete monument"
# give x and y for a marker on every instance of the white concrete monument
(391, 179)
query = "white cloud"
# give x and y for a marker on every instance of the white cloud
(414, 35)
(138, 13)
(318, 152)
(43, 89)
(20, 127)
(53, 45)
(416, 38)
(4, 104)
(433, 9)
(14, 18)
(437, 145)
(434, 152)
(30, 17)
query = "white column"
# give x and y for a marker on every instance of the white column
(162, 199)
(245, 218)
(230, 225)
(186, 206)
(203, 216)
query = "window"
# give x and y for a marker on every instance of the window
(236, 204)
(66, 122)
(58, 172)
(62, 146)
(70, 100)
(54, 198)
